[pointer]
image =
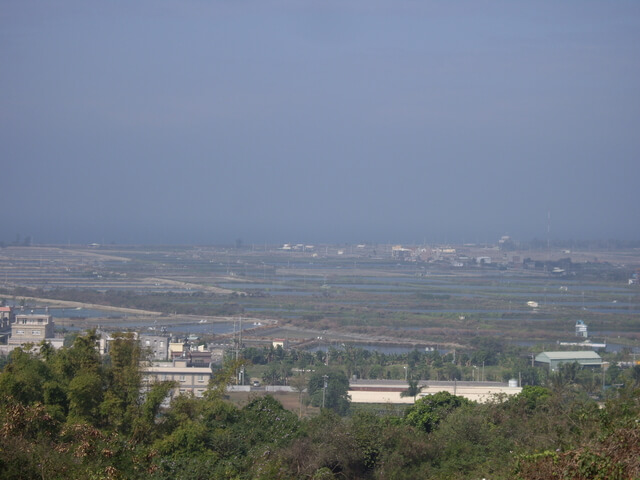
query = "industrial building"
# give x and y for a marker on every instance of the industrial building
(553, 360)
(388, 391)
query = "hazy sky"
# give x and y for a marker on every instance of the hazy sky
(318, 121)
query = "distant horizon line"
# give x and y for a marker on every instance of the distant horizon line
(242, 245)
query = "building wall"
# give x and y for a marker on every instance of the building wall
(189, 379)
(157, 344)
(6, 317)
(31, 329)
(477, 394)
(555, 364)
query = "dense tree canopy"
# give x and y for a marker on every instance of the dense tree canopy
(335, 395)
(72, 414)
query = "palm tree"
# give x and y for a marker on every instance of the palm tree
(413, 390)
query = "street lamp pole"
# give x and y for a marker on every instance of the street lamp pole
(324, 389)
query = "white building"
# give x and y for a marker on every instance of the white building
(32, 329)
(192, 380)
(388, 391)
(581, 329)
(156, 345)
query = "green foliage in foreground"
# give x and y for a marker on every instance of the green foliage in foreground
(427, 412)
(70, 414)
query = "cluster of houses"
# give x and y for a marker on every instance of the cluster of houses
(190, 364)
(183, 361)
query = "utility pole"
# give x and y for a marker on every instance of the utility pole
(324, 389)
(238, 341)
(235, 338)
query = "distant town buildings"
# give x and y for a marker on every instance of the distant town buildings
(300, 247)
(399, 252)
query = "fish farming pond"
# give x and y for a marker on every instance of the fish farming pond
(373, 296)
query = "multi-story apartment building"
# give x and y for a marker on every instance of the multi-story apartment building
(188, 379)
(31, 328)
(156, 345)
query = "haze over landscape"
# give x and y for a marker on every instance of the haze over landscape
(203, 122)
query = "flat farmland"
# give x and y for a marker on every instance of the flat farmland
(359, 294)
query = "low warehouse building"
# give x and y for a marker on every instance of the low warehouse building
(553, 360)
(388, 391)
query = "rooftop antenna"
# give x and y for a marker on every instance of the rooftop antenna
(548, 228)
(548, 241)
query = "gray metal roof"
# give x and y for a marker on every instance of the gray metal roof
(559, 356)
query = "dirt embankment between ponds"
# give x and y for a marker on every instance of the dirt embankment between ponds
(49, 302)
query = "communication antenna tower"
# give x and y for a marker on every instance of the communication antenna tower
(546, 264)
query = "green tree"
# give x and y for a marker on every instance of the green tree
(81, 357)
(24, 377)
(469, 445)
(412, 391)
(264, 421)
(122, 399)
(336, 394)
(533, 397)
(376, 371)
(430, 410)
(85, 395)
(145, 422)
(273, 374)
(327, 450)
(79, 373)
